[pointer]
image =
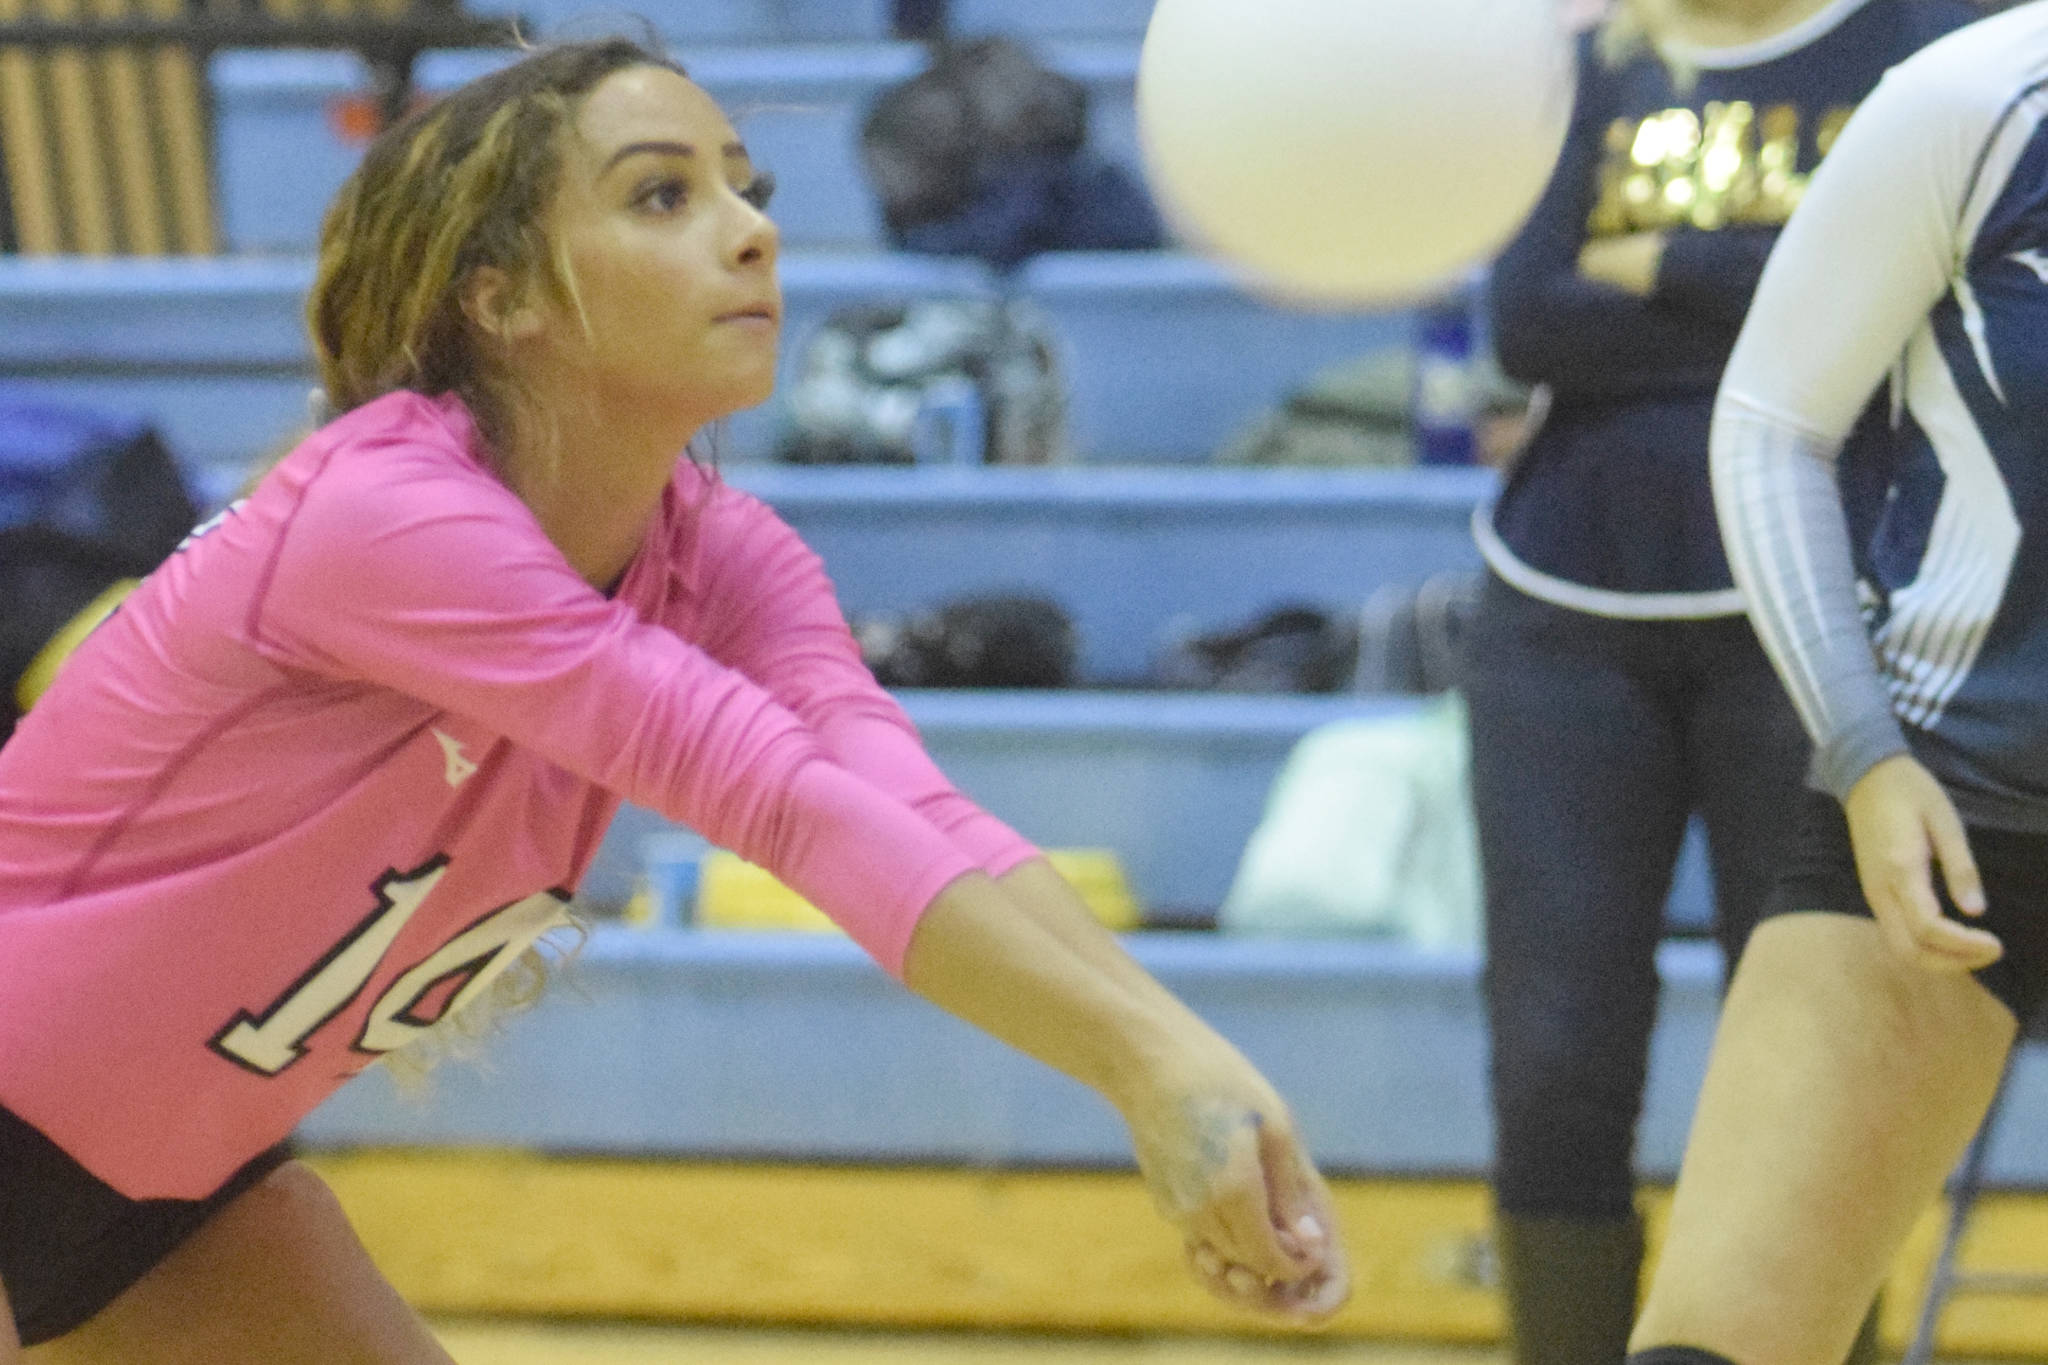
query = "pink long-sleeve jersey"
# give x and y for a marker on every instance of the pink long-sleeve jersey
(345, 755)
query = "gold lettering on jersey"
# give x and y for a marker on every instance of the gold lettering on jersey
(1729, 163)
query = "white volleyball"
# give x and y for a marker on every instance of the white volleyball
(1353, 151)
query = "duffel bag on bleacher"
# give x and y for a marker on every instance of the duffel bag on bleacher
(943, 381)
(88, 501)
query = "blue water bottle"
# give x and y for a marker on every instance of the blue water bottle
(1445, 404)
(670, 863)
(951, 425)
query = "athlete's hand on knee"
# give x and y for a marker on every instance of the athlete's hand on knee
(1225, 1165)
(1901, 823)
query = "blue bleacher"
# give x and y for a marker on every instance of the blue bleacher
(1175, 784)
(1166, 358)
(1052, 18)
(696, 21)
(717, 1046)
(1176, 781)
(1130, 554)
(1166, 355)
(799, 107)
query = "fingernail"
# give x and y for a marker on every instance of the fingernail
(1309, 1228)
(1209, 1261)
(1242, 1281)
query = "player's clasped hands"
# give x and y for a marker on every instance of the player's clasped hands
(1902, 826)
(1225, 1165)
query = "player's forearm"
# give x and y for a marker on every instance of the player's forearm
(1788, 547)
(1042, 893)
(1048, 981)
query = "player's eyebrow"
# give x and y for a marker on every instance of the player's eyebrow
(732, 150)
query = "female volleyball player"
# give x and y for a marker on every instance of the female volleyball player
(1864, 1034)
(1615, 690)
(333, 767)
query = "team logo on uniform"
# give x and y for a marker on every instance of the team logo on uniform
(460, 767)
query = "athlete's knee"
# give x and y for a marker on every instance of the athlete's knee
(291, 1200)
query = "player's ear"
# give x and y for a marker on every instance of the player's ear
(498, 306)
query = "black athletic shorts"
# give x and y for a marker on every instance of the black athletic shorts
(1819, 873)
(70, 1243)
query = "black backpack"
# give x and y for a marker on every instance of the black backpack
(991, 640)
(1292, 648)
(985, 155)
(85, 501)
(929, 141)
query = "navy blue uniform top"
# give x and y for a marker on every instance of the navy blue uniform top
(1921, 256)
(1609, 509)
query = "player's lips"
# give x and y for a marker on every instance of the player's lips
(759, 314)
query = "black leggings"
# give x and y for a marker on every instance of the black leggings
(1593, 742)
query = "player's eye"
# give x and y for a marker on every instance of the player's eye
(760, 190)
(663, 195)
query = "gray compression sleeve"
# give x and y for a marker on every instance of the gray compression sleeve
(1788, 544)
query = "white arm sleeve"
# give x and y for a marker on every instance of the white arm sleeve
(1871, 248)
